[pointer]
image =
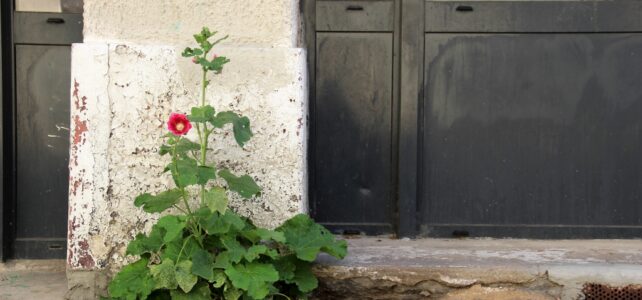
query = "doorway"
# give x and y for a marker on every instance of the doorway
(36, 93)
(476, 118)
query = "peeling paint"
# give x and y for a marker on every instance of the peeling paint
(85, 259)
(80, 127)
(118, 131)
(75, 184)
(125, 86)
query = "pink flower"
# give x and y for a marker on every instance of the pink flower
(195, 60)
(178, 124)
(214, 57)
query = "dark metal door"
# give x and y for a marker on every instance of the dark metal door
(532, 119)
(506, 118)
(352, 130)
(42, 47)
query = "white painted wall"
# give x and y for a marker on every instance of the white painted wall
(250, 23)
(128, 76)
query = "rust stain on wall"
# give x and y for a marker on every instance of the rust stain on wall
(80, 127)
(76, 183)
(84, 258)
(79, 102)
(71, 227)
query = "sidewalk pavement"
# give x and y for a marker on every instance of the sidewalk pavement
(33, 280)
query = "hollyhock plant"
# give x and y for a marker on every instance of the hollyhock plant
(178, 124)
(202, 249)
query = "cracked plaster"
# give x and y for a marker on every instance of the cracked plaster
(128, 76)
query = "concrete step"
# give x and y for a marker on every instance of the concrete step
(33, 279)
(384, 268)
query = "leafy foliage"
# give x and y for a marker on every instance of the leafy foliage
(211, 252)
(160, 202)
(243, 185)
(306, 238)
(133, 282)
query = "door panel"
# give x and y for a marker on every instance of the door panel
(40, 128)
(42, 149)
(353, 139)
(533, 16)
(532, 130)
(47, 28)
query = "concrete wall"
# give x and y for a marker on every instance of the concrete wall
(128, 76)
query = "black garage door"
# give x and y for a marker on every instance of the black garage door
(504, 118)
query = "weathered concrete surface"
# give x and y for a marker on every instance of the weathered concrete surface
(33, 279)
(382, 268)
(86, 285)
(127, 78)
(250, 23)
(477, 268)
(122, 96)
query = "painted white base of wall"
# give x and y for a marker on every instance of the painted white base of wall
(122, 95)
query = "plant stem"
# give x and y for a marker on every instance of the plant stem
(178, 258)
(179, 208)
(204, 87)
(197, 230)
(282, 295)
(203, 136)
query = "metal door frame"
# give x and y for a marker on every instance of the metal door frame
(7, 207)
(401, 226)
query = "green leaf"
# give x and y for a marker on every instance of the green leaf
(254, 278)
(224, 117)
(164, 275)
(255, 251)
(207, 46)
(219, 278)
(186, 280)
(146, 244)
(184, 171)
(184, 146)
(222, 223)
(222, 260)
(205, 174)
(262, 234)
(173, 226)
(189, 52)
(231, 293)
(217, 63)
(240, 125)
(242, 131)
(203, 264)
(164, 149)
(304, 278)
(235, 250)
(132, 282)
(173, 248)
(203, 35)
(235, 220)
(286, 265)
(307, 238)
(216, 199)
(200, 292)
(202, 114)
(244, 185)
(158, 203)
(338, 249)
